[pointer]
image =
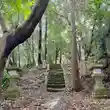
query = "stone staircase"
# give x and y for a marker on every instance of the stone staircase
(55, 82)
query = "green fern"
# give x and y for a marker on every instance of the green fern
(6, 80)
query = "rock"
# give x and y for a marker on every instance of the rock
(6, 107)
(14, 74)
(56, 104)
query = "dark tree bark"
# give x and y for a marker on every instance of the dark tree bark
(11, 40)
(46, 27)
(56, 54)
(60, 56)
(40, 43)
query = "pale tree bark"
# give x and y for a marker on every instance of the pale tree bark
(2, 24)
(19, 63)
(33, 50)
(11, 40)
(75, 71)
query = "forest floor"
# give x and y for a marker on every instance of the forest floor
(35, 97)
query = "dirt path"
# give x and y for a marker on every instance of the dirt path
(34, 95)
(33, 91)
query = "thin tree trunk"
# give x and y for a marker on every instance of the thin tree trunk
(46, 27)
(57, 54)
(60, 56)
(2, 23)
(75, 72)
(13, 58)
(28, 51)
(19, 65)
(40, 43)
(33, 60)
(79, 52)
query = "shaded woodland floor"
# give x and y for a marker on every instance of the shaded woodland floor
(34, 96)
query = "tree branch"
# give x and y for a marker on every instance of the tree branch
(69, 23)
(25, 31)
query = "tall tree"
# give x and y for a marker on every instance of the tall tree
(40, 43)
(2, 23)
(11, 40)
(33, 50)
(19, 63)
(46, 27)
(75, 72)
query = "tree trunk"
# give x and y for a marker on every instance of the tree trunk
(19, 63)
(2, 64)
(79, 52)
(11, 40)
(28, 50)
(13, 58)
(46, 37)
(33, 59)
(56, 54)
(2, 23)
(75, 72)
(60, 56)
(40, 44)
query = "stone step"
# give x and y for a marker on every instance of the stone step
(55, 74)
(55, 89)
(59, 82)
(55, 71)
(54, 66)
(55, 79)
(59, 76)
(56, 85)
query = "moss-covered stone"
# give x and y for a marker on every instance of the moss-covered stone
(55, 78)
(56, 85)
(12, 93)
(55, 89)
(54, 66)
(101, 93)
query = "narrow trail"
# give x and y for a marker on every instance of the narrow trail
(34, 96)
